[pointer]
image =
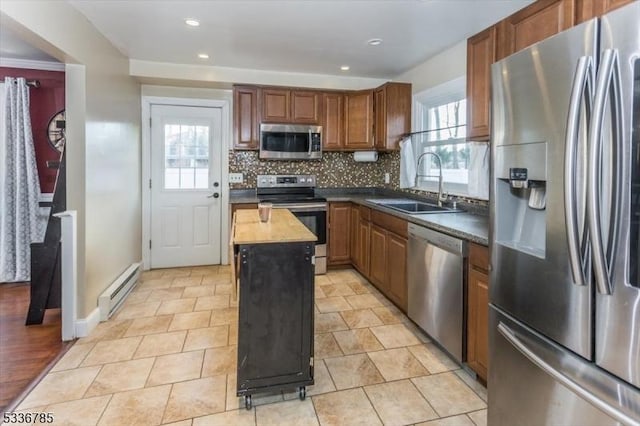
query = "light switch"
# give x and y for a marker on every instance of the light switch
(387, 178)
(236, 178)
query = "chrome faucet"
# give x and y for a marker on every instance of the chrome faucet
(441, 196)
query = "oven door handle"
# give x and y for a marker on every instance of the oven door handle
(311, 207)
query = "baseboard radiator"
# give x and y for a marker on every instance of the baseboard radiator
(111, 299)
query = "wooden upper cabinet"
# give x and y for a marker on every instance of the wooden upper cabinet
(380, 109)
(534, 23)
(359, 120)
(290, 106)
(588, 9)
(305, 107)
(245, 118)
(392, 115)
(339, 234)
(332, 121)
(481, 53)
(275, 105)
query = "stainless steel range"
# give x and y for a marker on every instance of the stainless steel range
(297, 193)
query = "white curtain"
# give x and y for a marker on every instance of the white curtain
(479, 170)
(20, 190)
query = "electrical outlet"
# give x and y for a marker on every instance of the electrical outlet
(387, 178)
(236, 178)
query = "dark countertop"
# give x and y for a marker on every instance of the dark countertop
(467, 226)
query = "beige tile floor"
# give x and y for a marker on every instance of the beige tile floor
(169, 357)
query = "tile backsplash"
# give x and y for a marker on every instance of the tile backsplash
(335, 170)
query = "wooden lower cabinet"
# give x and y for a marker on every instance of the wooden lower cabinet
(388, 268)
(478, 310)
(355, 232)
(378, 254)
(364, 236)
(360, 239)
(338, 250)
(397, 270)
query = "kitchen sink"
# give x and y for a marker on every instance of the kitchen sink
(414, 207)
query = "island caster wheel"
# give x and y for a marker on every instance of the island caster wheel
(302, 393)
(247, 402)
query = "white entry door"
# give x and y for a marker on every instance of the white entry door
(186, 149)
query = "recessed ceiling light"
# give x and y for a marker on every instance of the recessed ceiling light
(345, 68)
(375, 42)
(203, 56)
(192, 22)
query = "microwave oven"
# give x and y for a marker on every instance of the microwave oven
(290, 142)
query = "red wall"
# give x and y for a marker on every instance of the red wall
(45, 102)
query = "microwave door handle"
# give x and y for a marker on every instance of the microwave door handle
(310, 143)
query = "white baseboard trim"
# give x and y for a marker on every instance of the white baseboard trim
(84, 326)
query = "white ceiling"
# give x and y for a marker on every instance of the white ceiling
(307, 36)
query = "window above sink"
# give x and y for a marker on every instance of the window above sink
(440, 113)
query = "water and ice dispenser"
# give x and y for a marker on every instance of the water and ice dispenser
(520, 191)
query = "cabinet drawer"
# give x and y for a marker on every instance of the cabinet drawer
(390, 223)
(479, 257)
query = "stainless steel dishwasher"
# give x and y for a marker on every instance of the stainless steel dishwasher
(436, 282)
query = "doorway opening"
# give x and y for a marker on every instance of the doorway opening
(30, 286)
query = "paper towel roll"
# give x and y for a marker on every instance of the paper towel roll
(365, 156)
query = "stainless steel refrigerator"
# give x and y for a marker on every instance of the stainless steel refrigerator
(565, 228)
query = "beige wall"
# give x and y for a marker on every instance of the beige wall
(445, 66)
(103, 116)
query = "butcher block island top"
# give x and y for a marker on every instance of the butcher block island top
(283, 227)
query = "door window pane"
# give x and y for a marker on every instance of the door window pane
(186, 156)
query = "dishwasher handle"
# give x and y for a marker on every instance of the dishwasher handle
(440, 240)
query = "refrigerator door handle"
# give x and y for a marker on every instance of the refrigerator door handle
(601, 260)
(581, 86)
(616, 169)
(514, 339)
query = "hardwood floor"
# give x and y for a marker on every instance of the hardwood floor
(25, 351)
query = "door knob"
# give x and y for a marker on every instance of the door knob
(216, 184)
(214, 195)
